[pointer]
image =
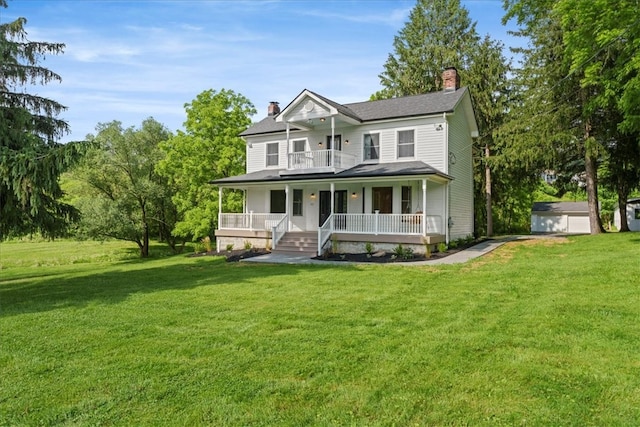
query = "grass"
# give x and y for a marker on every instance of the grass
(539, 332)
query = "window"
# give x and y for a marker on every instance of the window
(371, 146)
(405, 143)
(406, 200)
(278, 201)
(272, 154)
(297, 202)
(299, 146)
(637, 213)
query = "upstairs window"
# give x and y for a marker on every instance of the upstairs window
(405, 143)
(272, 154)
(371, 146)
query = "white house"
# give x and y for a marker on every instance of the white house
(320, 173)
(560, 217)
(633, 215)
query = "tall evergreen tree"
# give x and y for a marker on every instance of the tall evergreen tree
(439, 34)
(31, 161)
(584, 66)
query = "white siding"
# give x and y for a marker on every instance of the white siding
(461, 188)
(634, 224)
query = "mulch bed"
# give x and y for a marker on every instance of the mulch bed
(380, 257)
(234, 256)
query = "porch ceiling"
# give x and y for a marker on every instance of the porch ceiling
(357, 173)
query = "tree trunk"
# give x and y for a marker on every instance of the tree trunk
(487, 172)
(592, 193)
(622, 207)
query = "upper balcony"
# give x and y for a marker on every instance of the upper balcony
(318, 161)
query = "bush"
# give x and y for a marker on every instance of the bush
(402, 252)
(368, 248)
(206, 242)
(247, 245)
(229, 247)
(442, 247)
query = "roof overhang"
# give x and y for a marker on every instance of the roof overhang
(309, 110)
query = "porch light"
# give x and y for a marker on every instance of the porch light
(313, 196)
(322, 119)
(320, 144)
(346, 141)
(354, 195)
(439, 126)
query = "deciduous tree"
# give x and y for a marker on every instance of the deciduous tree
(209, 149)
(126, 199)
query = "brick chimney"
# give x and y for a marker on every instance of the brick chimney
(450, 79)
(274, 109)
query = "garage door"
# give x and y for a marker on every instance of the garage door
(578, 224)
(547, 223)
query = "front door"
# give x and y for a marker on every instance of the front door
(340, 204)
(382, 199)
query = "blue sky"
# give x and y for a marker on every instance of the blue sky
(129, 60)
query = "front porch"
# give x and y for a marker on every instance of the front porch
(348, 230)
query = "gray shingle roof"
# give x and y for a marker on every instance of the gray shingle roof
(359, 171)
(406, 106)
(561, 207)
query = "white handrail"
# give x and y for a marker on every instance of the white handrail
(320, 159)
(249, 221)
(278, 230)
(324, 233)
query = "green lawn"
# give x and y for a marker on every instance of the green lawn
(536, 333)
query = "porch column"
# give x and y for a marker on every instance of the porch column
(288, 165)
(286, 204)
(219, 205)
(446, 213)
(333, 151)
(424, 206)
(333, 189)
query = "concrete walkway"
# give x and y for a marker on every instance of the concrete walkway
(457, 258)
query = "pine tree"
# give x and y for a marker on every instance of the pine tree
(31, 161)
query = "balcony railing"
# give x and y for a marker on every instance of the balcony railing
(249, 221)
(325, 160)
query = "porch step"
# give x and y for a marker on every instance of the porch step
(298, 243)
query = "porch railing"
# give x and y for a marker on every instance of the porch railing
(324, 233)
(278, 230)
(249, 221)
(386, 223)
(321, 159)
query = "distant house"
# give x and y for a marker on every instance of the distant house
(320, 173)
(560, 217)
(633, 215)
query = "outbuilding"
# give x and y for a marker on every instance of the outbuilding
(560, 217)
(633, 215)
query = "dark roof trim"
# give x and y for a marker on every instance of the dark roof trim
(380, 170)
(561, 207)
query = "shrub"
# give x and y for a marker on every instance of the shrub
(206, 242)
(442, 247)
(402, 252)
(368, 248)
(247, 245)
(229, 247)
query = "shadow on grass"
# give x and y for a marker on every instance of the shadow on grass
(40, 293)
